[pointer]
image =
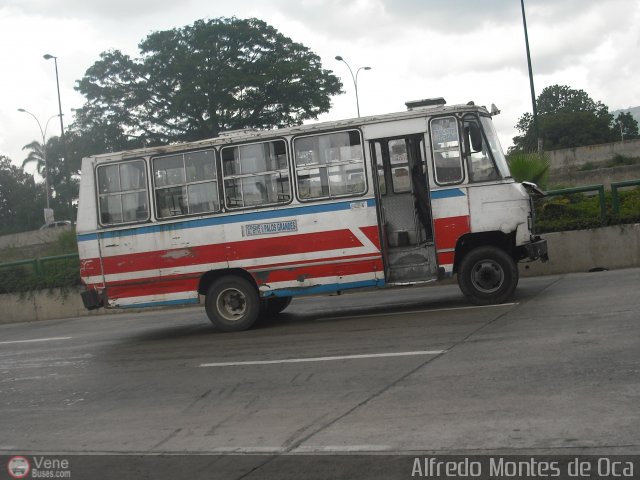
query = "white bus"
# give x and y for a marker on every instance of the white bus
(246, 221)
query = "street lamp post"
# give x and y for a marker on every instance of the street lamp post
(44, 148)
(621, 131)
(354, 78)
(533, 92)
(55, 61)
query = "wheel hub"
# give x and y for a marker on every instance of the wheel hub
(487, 276)
(232, 304)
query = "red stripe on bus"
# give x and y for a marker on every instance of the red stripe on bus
(372, 234)
(316, 271)
(186, 283)
(255, 271)
(304, 262)
(242, 250)
(157, 287)
(90, 267)
(446, 258)
(449, 230)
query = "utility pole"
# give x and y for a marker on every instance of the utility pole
(533, 92)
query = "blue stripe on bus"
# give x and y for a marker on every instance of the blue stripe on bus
(163, 303)
(227, 219)
(328, 288)
(316, 289)
(449, 193)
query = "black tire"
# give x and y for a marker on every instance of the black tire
(487, 275)
(232, 303)
(270, 307)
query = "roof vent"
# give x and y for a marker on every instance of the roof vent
(426, 102)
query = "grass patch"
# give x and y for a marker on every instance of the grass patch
(620, 160)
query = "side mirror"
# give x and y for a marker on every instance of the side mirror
(473, 138)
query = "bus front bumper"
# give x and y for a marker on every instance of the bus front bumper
(537, 249)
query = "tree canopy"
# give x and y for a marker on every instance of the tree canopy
(626, 125)
(196, 81)
(566, 118)
(21, 200)
(63, 179)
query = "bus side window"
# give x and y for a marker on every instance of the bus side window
(330, 165)
(445, 144)
(185, 184)
(122, 192)
(256, 174)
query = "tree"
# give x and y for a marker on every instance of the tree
(566, 118)
(625, 125)
(194, 82)
(63, 175)
(36, 155)
(529, 167)
(21, 200)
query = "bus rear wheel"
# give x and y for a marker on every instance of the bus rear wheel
(232, 304)
(488, 275)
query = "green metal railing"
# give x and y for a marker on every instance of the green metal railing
(615, 196)
(38, 264)
(588, 188)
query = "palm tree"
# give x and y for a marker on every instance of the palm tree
(529, 167)
(37, 155)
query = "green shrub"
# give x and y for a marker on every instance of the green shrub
(579, 211)
(629, 206)
(619, 160)
(587, 167)
(60, 273)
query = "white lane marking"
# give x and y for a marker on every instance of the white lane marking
(344, 448)
(413, 312)
(324, 359)
(34, 340)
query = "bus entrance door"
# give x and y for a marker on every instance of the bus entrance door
(403, 209)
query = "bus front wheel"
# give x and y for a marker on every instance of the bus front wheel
(487, 275)
(232, 304)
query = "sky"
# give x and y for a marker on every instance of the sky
(461, 50)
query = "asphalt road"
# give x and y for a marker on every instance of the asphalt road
(398, 371)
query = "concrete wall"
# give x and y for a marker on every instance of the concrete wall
(33, 238)
(567, 160)
(604, 176)
(582, 250)
(577, 251)
(50, 305)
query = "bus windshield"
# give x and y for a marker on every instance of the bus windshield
(496, 148)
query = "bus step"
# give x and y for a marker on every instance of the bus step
(408, 256)
(410, 272)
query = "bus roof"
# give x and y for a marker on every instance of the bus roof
(244, 135)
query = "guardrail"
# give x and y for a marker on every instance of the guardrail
(588, 188)
(38, 264)
(615, 197)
